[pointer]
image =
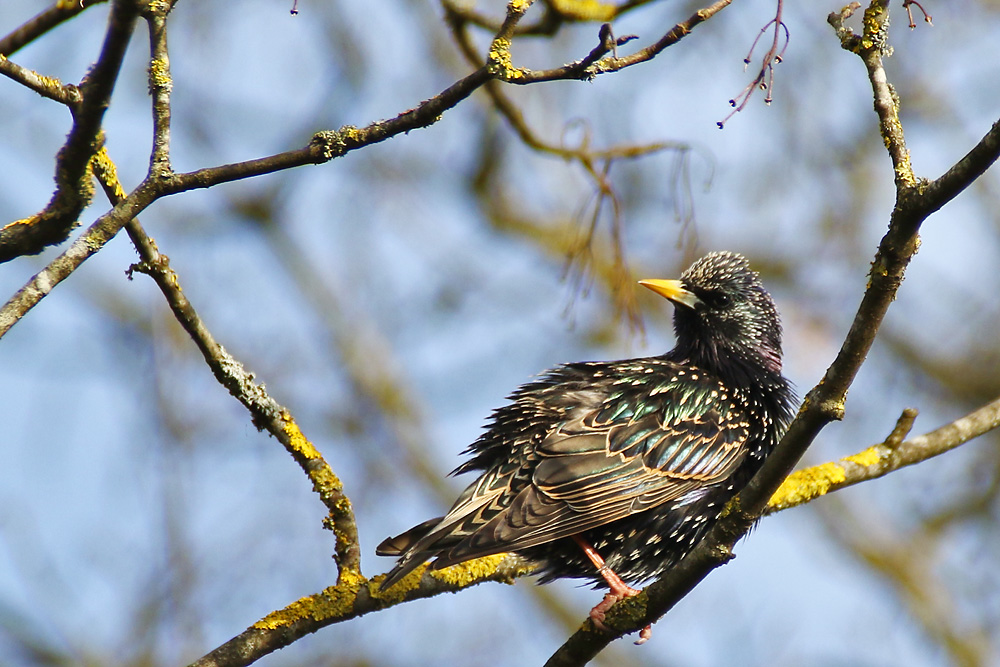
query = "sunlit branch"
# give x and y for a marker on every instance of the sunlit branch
(349, 600)
(46, 86)
(160, 86)
(73, 180)
(879, 460)
(61, 11)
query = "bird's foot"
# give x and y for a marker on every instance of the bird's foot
(619, 591)
(598, 612)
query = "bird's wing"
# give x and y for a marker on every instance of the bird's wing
(637, 449)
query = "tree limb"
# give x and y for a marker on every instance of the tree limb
(46, 86)
(803, 486)
(74, 187)
(39, 25)
(265, 412)
(350, 599)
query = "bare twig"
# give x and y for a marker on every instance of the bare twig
(908, 4)
(765, 75)
(42, 23)
(46, 86)
(265, 412)
(160, 87)
(595, 63)
(585, 154)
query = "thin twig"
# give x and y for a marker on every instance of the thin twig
(39, 25)
(160, 86)
(908, 4)
(595, 63)
(46, 86)
(265, 412)
(772, 57)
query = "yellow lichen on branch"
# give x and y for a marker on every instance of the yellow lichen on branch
(469, 572)
(332, 602)
(804, 485)
(397, 592)
(159, 74)
(22, 221)
(298, 442)
(585, 10)
(342, 601)
(810, 483)
(324, 480)
(504, 567)
(501, 63)
(868, 457)
(106, 172)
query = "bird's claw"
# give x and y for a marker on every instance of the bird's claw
(597, 615)
(598, 612)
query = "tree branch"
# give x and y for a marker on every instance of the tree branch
(351, 599)
(324, 146)
(595, 63)
(265, 412)
(74, 188)
(39, 25)
(93, 239)
(160, 86)
(803, 486)
(46, 86)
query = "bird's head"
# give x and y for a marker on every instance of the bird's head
(724, 318)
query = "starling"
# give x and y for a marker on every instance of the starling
(613, 471)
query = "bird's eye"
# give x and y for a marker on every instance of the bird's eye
(721, 300)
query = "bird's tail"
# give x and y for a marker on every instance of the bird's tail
(400, 546)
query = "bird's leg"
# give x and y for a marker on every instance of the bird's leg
(618, 587)
(619, 590)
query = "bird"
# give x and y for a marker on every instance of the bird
(613, 471)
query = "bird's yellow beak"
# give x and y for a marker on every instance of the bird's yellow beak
(673, 290)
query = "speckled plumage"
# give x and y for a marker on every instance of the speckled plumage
(634, 457)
